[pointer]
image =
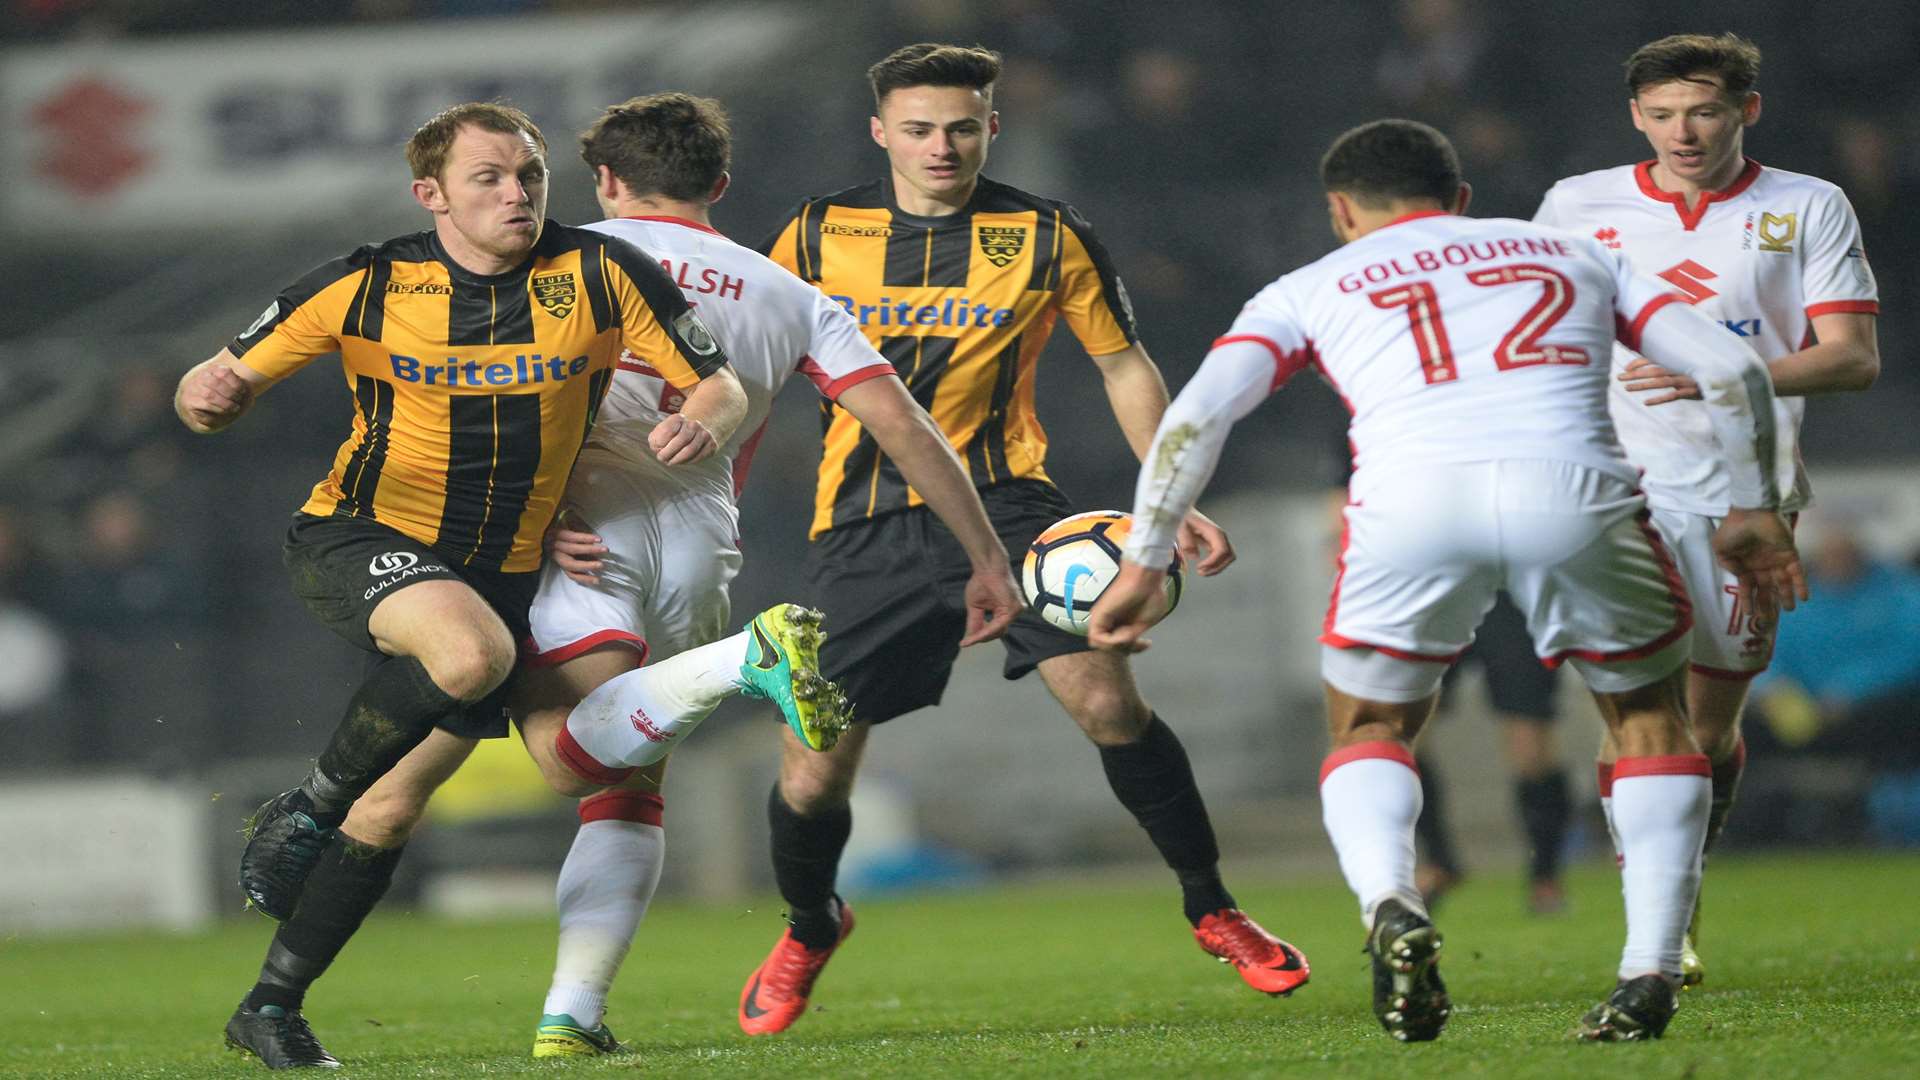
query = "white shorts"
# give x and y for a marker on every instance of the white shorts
(1727, 641)
(1427, 546)
(672, 551)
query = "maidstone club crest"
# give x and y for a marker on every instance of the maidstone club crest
(555, 293)
(1001, 244)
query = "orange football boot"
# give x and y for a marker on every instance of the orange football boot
(777, 993)
(1268, 964)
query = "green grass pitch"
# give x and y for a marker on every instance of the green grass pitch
(1814, 970)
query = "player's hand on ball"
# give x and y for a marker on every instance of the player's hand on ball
(680, 441)
(1643, 375)
(992, 601)
(575, 551)
(1134, 601)
(213, 396)
(1756, 546)
(1197, 533)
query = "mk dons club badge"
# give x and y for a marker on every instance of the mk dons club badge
(1001, 244)
(555, 293)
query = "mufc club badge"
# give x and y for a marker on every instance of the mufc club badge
(555, 293)
(1001, 244)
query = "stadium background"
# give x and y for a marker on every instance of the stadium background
(167, 166)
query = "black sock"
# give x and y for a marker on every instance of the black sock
(349, 880)
(395, 708)
(1544, 808)
(806, 858)
(1726, 786)
(1153, 779)
(1431, 829)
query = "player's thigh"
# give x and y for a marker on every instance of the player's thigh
(452, 630)
(386, 814)
(1097, 689)
(544, 694)
(1019, 510)
(1419, 568)
(699, 557)
(1593, 577)
(569, 618)
(386, 592)
(892, 632)
(1728, 643)
(814, 780)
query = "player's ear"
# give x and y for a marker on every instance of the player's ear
(878, 130)
(993, 124)
(1633, 110)
(720, 188)
(1340, 213)
(1750, 109)
(426, 192)
(1465, 196)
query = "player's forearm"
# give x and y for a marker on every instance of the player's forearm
(1831, 367)
(927, 462)
(1186, 448)
(1736, 389)
(718, 403)
(1137, 394)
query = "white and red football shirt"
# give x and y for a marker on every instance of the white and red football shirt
(1459, 339)
(1762, 257)
(770, 322)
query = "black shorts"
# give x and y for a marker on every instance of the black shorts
(892, 592)
(1518, 684)
(342, 568)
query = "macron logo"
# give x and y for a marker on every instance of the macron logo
(648, 730)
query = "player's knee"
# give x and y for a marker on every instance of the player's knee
(813, 791)
(385, 818)
(1111, 715)
(470, 670)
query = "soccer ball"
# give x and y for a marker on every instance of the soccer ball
(1070, 564)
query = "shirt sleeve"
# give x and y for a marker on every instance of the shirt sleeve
(838, 354)
(1835, 277)
(1549, 212)
(783, 244)
(307, 319)
(1091, 294)
(1245, 365)
(656, 322)
(1636, 296)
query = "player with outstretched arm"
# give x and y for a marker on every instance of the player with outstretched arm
(1473, 355)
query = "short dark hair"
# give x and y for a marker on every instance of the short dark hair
(427, 149)
(1691, 57)
(675, 144)
(1390, 161)
(932, 64)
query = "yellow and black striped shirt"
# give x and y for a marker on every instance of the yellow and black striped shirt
(962, 306)
(474, 392)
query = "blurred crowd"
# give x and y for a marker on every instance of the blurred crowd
(1189, 135)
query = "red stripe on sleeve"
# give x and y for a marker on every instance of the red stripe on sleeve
(1629, 333)
(1285, 364)
(1844, 307)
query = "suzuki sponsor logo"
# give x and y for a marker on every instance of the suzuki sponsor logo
(1691, 278)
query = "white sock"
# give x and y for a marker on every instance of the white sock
(1369, 799)
(604, 888)
(1660, 811)
(638, 718)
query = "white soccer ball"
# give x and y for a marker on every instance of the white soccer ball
(1071, 563)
